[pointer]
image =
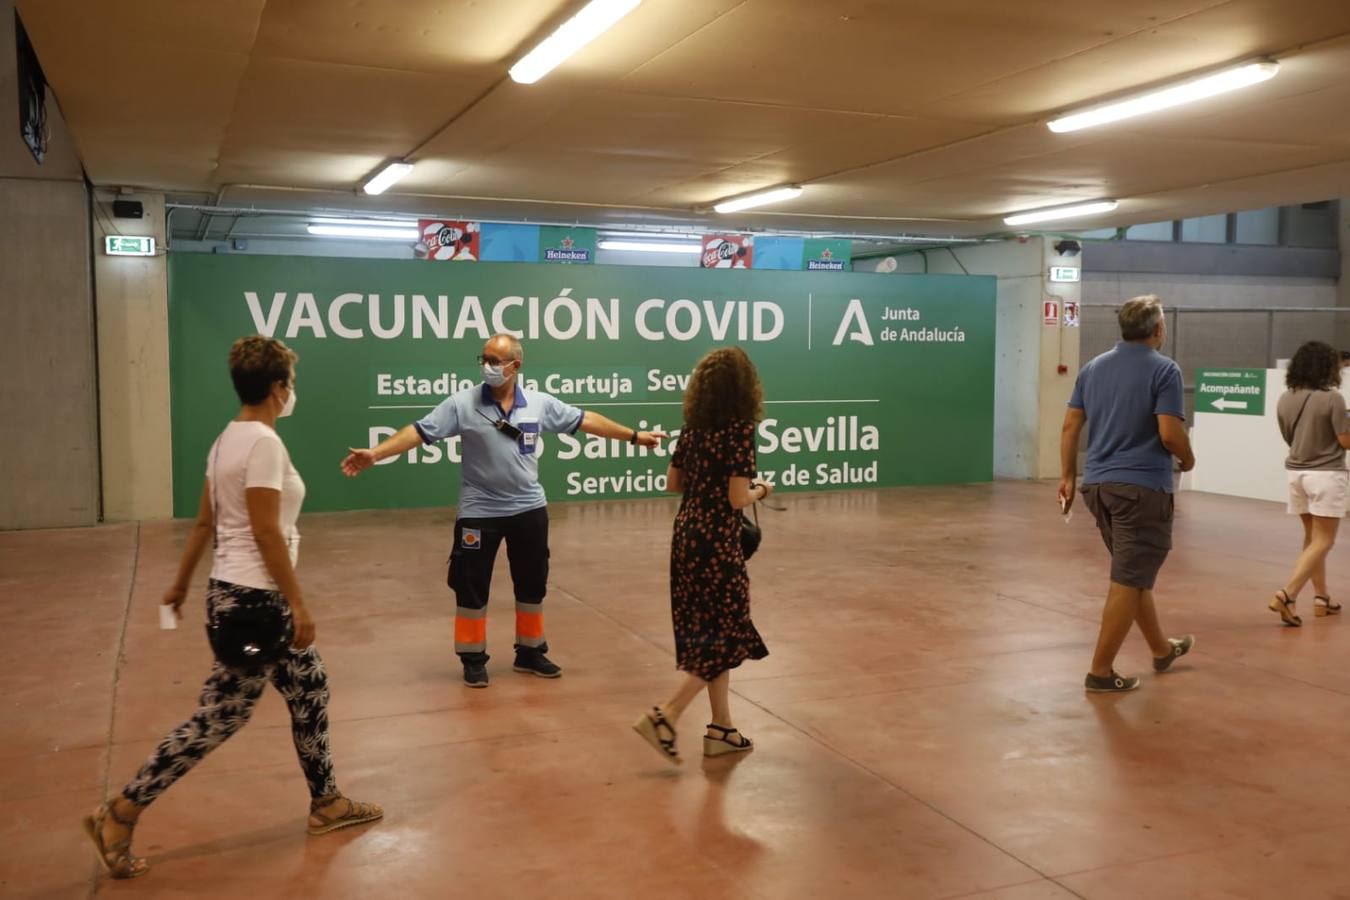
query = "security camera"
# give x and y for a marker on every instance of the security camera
(1068, 248)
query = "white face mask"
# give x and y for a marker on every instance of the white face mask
(288, 407)
(493, 375)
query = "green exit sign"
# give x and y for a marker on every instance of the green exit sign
(124, 245)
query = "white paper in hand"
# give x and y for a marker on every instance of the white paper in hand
(168, 618)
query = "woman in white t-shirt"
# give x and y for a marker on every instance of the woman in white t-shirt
(250, 502)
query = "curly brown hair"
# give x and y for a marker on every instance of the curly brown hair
(257, 363)
(1315, 366)
(724, 388)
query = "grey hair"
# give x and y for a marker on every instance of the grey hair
(512, 344)
(1139, 317)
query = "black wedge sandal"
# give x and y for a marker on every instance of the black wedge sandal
(717, 746)
(650, 727)
(1285, 609)
(1322, 606)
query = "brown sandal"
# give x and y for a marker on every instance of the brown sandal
(1282, 605)
(121, 864)
(357, 814)
(1323, 606)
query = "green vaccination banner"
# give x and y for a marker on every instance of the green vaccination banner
(869, 380)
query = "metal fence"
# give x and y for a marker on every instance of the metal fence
(1202, 337)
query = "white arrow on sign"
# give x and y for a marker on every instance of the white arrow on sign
(1224, 403)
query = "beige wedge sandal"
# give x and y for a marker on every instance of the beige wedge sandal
(717, 746)
(653, 727)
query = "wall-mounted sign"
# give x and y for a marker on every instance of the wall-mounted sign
(443, 240)
(1051, 309)
(566, 245)
(1065, 274)
(827, 255)
(727, 251)
(385, 340)
(1070, 313)
(1240, 392)
(127, 245)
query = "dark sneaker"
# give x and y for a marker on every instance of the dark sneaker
(1180, 647)
(537, 664)
(1114, 683)
(475, 675)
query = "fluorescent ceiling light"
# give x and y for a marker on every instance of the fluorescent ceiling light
(1055, 213)
(651, 246)
(593, 20)
(363, 231)
(759, 198)
(388, 176)
(1185, 92)
(371, 223)
(650, 235)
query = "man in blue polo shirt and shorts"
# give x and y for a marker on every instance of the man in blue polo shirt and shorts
(500, 498)
(1132, 399)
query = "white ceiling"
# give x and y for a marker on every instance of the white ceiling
(922, 116)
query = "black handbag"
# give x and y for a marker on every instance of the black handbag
(751, 533)
(248, 634)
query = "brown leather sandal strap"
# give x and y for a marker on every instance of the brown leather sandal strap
(111, 810)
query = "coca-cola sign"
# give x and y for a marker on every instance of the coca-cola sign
(727, 251)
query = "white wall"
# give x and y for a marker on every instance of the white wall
(1258, 471)
(49, 460)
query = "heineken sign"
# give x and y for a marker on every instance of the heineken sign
(1240, 392)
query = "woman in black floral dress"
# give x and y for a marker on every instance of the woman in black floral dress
(713, 465)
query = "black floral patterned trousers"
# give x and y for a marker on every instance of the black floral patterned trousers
(227, 702)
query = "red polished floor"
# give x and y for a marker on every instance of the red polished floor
(921, 725)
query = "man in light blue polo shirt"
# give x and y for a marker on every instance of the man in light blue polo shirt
(1132, 399)
(500, 498)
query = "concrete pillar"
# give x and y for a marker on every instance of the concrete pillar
(133, 361)
(1059, 360)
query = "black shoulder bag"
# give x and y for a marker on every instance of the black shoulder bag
(751, 534)
(246, 634)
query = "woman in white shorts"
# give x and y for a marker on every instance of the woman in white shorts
(1313, 422)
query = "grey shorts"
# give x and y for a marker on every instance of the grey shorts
(1136, 524)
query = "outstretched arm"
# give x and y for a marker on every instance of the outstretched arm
(594, 423)
(358, 460)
